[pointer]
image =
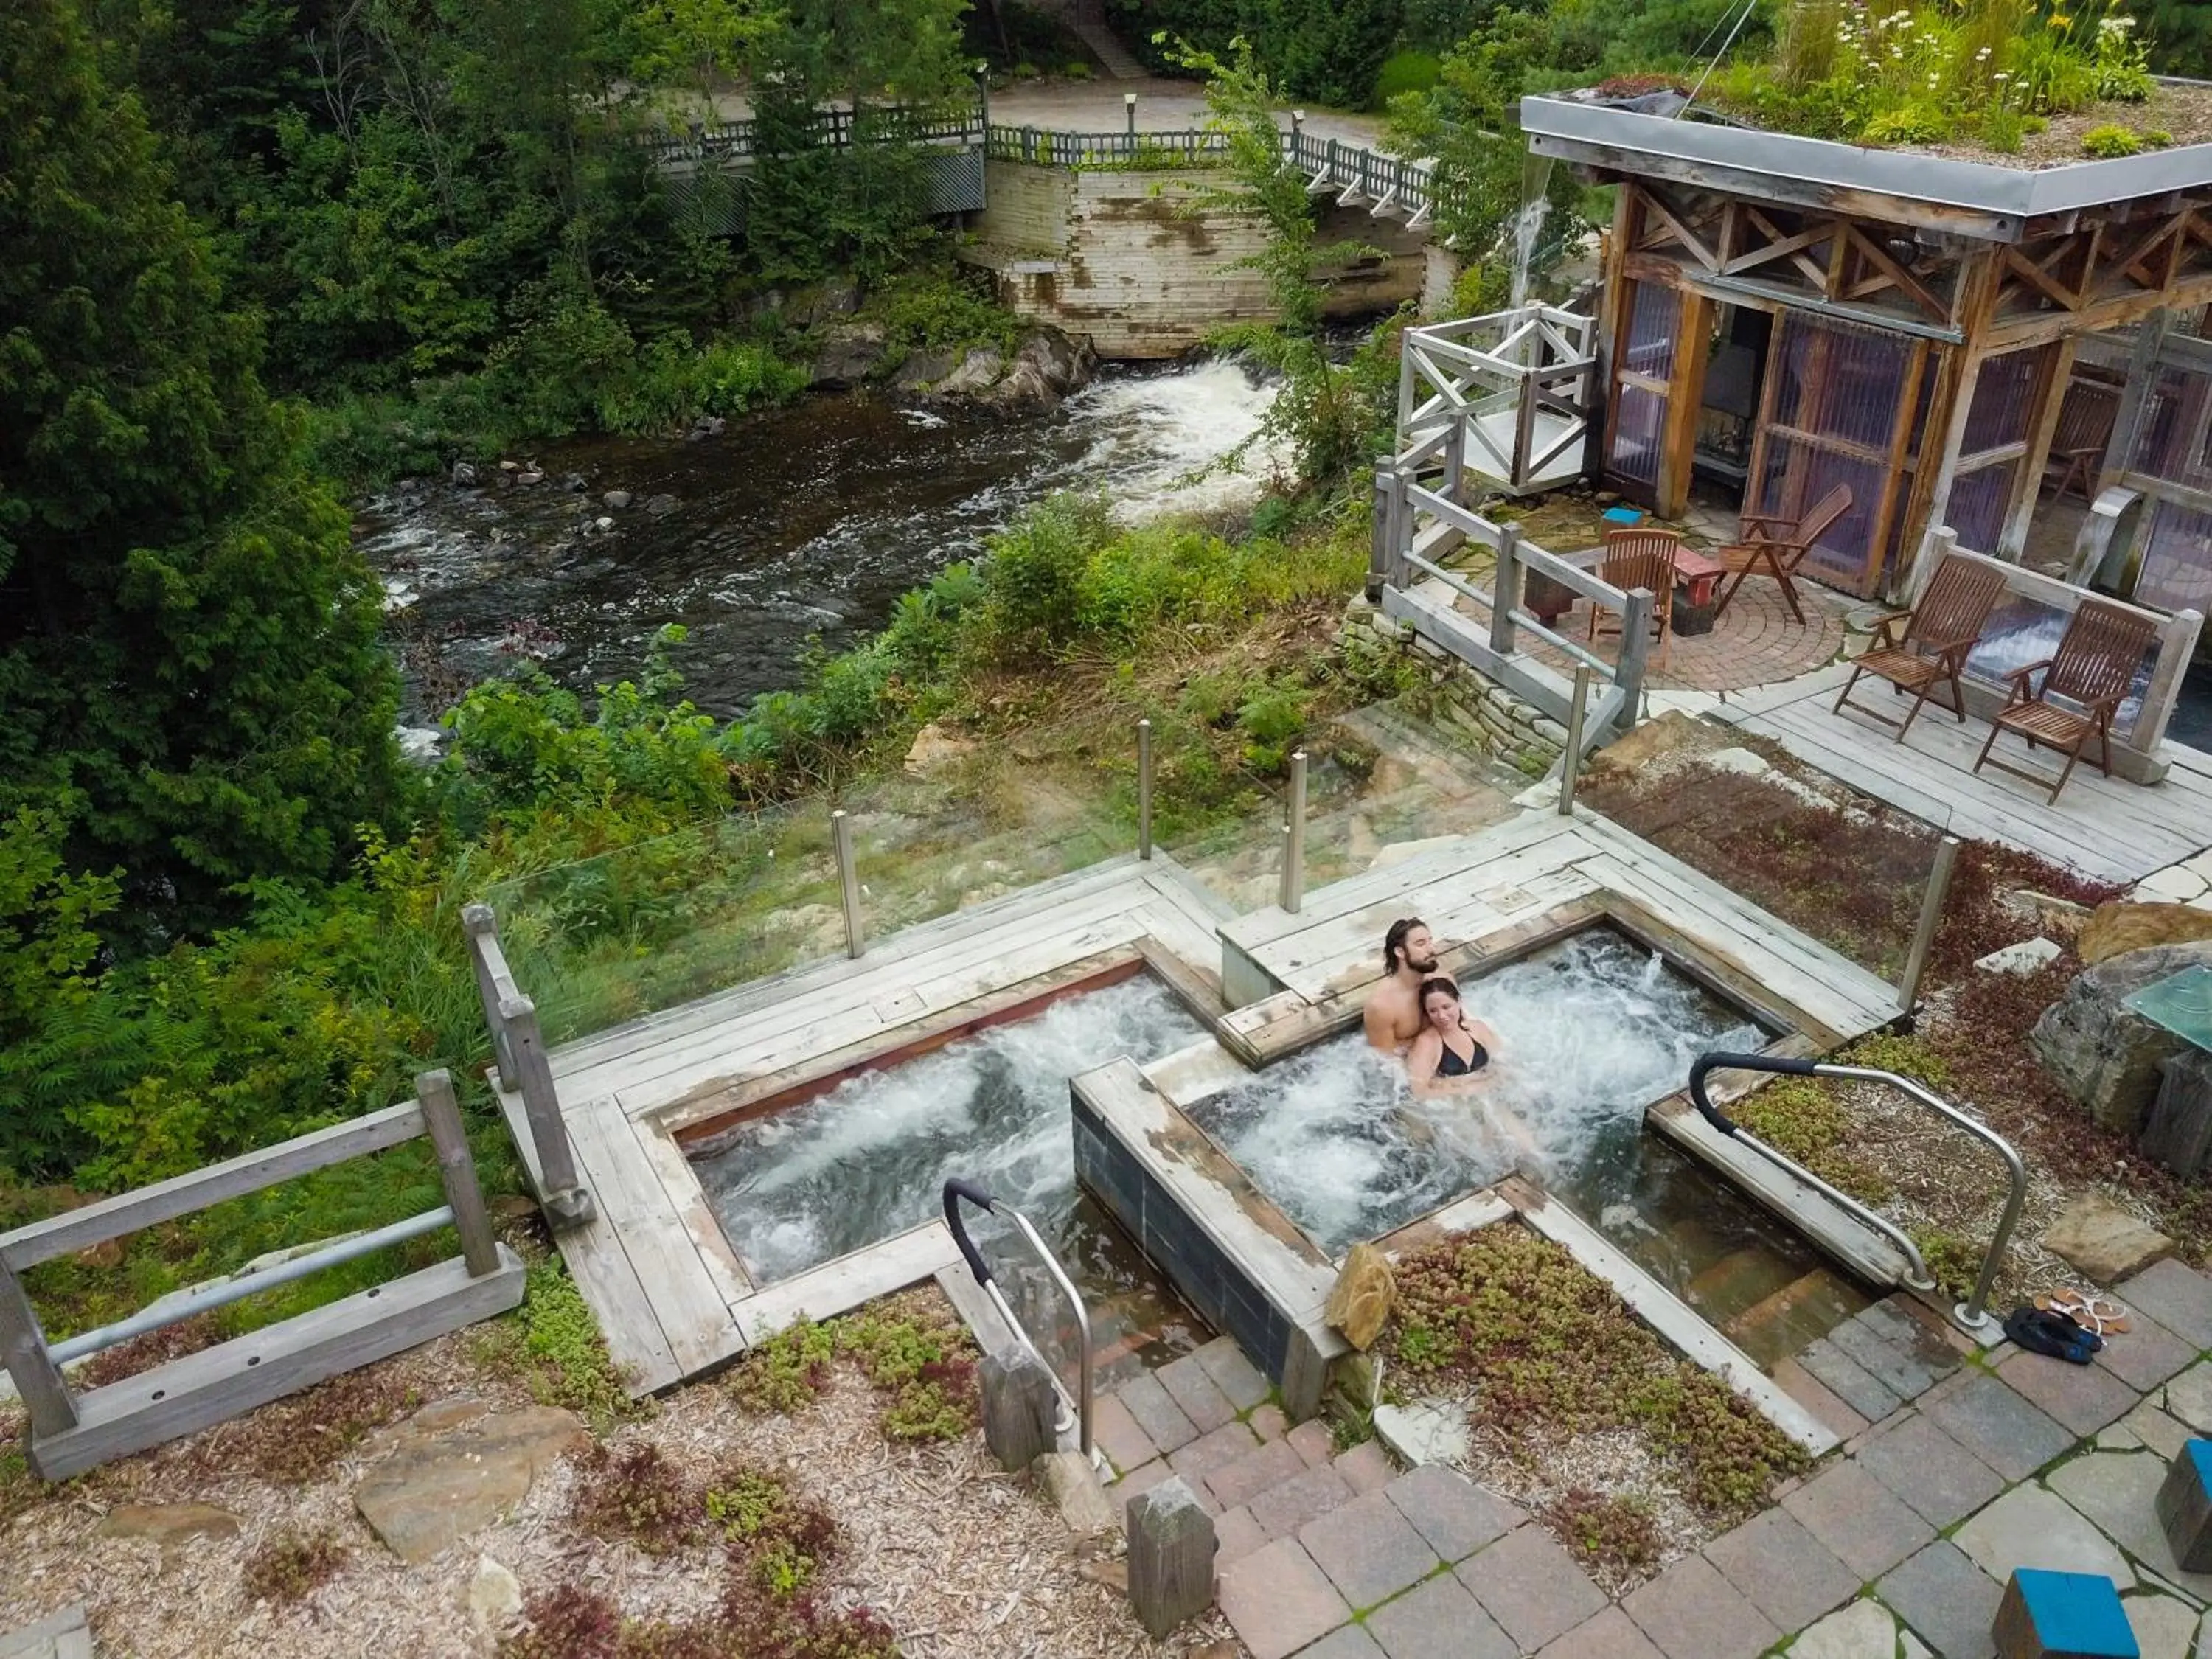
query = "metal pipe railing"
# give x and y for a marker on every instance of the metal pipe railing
(1972, 1314)
(955, 1190)
(201, 1297)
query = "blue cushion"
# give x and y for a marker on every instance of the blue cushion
(2077, 1613)
(1623, 515)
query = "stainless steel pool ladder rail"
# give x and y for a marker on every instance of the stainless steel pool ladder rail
(1076, 1413)
(1972, 1314)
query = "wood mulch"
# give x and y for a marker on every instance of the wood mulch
(959, 1558)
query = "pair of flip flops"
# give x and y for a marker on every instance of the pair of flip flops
(2098, 1315)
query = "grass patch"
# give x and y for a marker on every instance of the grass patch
(1551, 1352)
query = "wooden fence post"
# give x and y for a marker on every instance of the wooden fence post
(565, 1201)
(1635, 653)
(1019, 1407)
(1505, 591)
(1171, 1549)
(1378, 552)
(479, 923)
(23, 1344)
(441, 1116)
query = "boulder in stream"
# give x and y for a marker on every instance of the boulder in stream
(851, 354)
(2102, 1055)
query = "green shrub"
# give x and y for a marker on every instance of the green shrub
(1403, 72)
(1035, 572)
(2110, 141)
(1077, 69)
(786, 1371)
(553, 1343)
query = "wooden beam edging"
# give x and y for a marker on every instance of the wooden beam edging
(1670, 1317)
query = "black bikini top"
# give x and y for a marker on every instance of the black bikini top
(1450, 1065)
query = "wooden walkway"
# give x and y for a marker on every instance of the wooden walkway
(2106, 828)
(1488, 890)
(669, 1293)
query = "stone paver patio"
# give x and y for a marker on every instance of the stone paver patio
(1900, 1544)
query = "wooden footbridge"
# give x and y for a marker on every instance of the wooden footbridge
(957, 144)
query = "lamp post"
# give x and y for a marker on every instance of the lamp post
(1129, 107)
(1297, 123)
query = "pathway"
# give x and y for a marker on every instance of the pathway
(1962, 1466)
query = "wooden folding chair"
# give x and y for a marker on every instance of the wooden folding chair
(1932, 650)
(2085, 427)
(1779, 546)
(1641, 558)
(2094, 665)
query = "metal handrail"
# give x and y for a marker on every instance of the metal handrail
(956, 1189)
(221, 1293)
(1972, 1314)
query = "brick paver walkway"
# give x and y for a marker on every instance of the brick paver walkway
(1972, 1464)
(1756, 641)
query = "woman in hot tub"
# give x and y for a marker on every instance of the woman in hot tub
(1456, 1055)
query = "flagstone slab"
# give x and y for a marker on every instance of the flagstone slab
(1947, 1599)
(2118, 1491)
(2029, 1527)
(2165, 1628)
(1864, 1630)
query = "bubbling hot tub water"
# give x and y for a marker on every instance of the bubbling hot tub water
(1590, 1031)
(870, 1158)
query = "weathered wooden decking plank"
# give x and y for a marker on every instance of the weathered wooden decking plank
(680, 1295)
(603, 1273)
(812, 1012)
(833, 1287)
(1390, 885)
(656, 1031)
(688, 1198)
(2110, 828)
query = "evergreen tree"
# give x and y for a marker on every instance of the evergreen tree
(189, 663)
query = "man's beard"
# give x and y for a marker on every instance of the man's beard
(1420, 967)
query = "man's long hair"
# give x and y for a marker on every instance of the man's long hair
(1394, 942)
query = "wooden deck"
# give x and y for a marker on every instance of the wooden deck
(671, 1296)
(2105, 828)
(1495, 889)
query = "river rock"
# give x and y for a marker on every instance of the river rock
(850, 354)
(495, 1594)
(1047, 366)
(2030, 955)
(660, 507)
(2120, 926)
(1074, 1483)
(454, 1467)
(2103, 1056)
(2098, 1237)
(1359, 1302)
(923, 370)
(171, 1526)
(617, 499)
(933, 746)
(464, 475)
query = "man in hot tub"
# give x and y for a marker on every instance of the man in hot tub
(1393, 1016)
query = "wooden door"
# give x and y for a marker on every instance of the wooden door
(1838, 407)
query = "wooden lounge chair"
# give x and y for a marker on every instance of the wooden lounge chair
(1932, 650)
(1640, 558)
(1779, 546)
(2085, 427)
(2095, 662)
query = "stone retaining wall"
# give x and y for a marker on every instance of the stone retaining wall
(1469, 703)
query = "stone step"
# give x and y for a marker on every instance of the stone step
(1784, 1322)
(1119, 64)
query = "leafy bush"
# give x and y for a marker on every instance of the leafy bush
(2111, 140)
(1035, 572)
(786, 1371)
(1605, 1529)
(938, 307)
(1404, 72)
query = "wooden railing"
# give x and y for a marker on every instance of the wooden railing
(1484, 384)
(72, 1431)
(1357, 175)
(2134, 753)
(519, 1051)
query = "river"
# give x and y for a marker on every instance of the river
(794, 525)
